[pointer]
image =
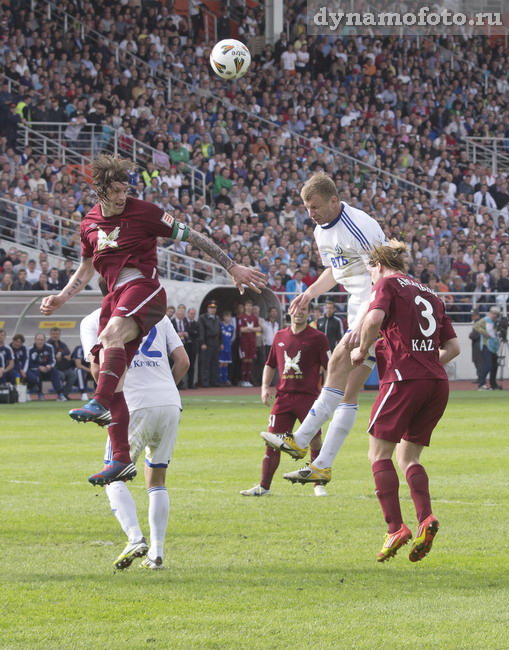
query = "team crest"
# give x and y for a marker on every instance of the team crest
(292, 363)
(238, 64)
(338, 249)
(226, 48)
(107, 241)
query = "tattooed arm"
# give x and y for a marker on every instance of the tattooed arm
(242, 275)
(206, 245)
(77, 282)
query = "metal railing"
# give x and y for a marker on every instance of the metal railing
(43, 144)
(59, 236)
(80, 144)
(490, 152)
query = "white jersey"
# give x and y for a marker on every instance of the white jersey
(149, 381)
(344, 245)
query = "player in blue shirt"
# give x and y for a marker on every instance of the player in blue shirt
(225, 354)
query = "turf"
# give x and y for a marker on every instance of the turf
(291, 570)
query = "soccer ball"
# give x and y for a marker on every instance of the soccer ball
(230, 59)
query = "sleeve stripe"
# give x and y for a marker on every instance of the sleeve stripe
(356, 232)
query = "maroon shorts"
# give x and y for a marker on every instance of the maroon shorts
(287, 408)
(142, 299)
(409, 410)
(247, 349)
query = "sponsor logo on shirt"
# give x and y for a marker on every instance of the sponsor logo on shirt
(168, 219)
(107, 241)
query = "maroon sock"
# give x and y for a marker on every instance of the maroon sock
(117, 431)
(112, 369)
(313, 455)
(417, 479)
(270, 463)
(387, 485)
(245, 370)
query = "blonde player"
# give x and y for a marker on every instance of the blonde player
(345, 236)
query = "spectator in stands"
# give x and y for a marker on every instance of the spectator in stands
(41, 367)
(21, 284)
(65, 273)
(64, 365)
(33, 273)
(296, 285)
(7, 282)
(54, 283)
(42, 284)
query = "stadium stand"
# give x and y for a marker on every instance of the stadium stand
(414, 130)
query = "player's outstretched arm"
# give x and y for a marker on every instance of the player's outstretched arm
(78, 281)
(242, 275)
(324, 283)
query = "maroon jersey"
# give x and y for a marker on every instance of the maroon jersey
(298, 357)
(128, 239)
(247, 321)
(414, 327)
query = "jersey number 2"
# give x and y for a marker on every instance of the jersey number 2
(145, 348)
(427, 314)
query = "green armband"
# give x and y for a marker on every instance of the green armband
(178, 231)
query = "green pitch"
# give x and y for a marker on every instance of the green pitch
(289, 571)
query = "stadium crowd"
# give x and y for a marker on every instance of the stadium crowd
(398, 107)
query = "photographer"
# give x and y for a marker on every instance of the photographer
(489, 329)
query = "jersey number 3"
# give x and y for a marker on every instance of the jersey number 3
(427, 314)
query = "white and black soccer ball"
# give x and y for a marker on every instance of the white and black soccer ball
(230, 59)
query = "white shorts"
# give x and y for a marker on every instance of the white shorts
(154, 429)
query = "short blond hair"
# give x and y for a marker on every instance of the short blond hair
(107, 170)
(321, 184)
(391, 255)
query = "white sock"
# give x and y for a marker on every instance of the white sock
(320, 412)
(158, 513)
(339, 428)
(124, 509)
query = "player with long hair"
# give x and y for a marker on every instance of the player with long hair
(118, 239)
(416, 341)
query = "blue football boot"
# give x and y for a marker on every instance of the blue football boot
(92, 412)
(114, 471)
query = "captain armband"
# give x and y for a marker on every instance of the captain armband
(178, 231)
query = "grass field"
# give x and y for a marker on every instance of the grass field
(288, 571)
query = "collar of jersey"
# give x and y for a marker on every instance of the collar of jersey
(333, 223)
